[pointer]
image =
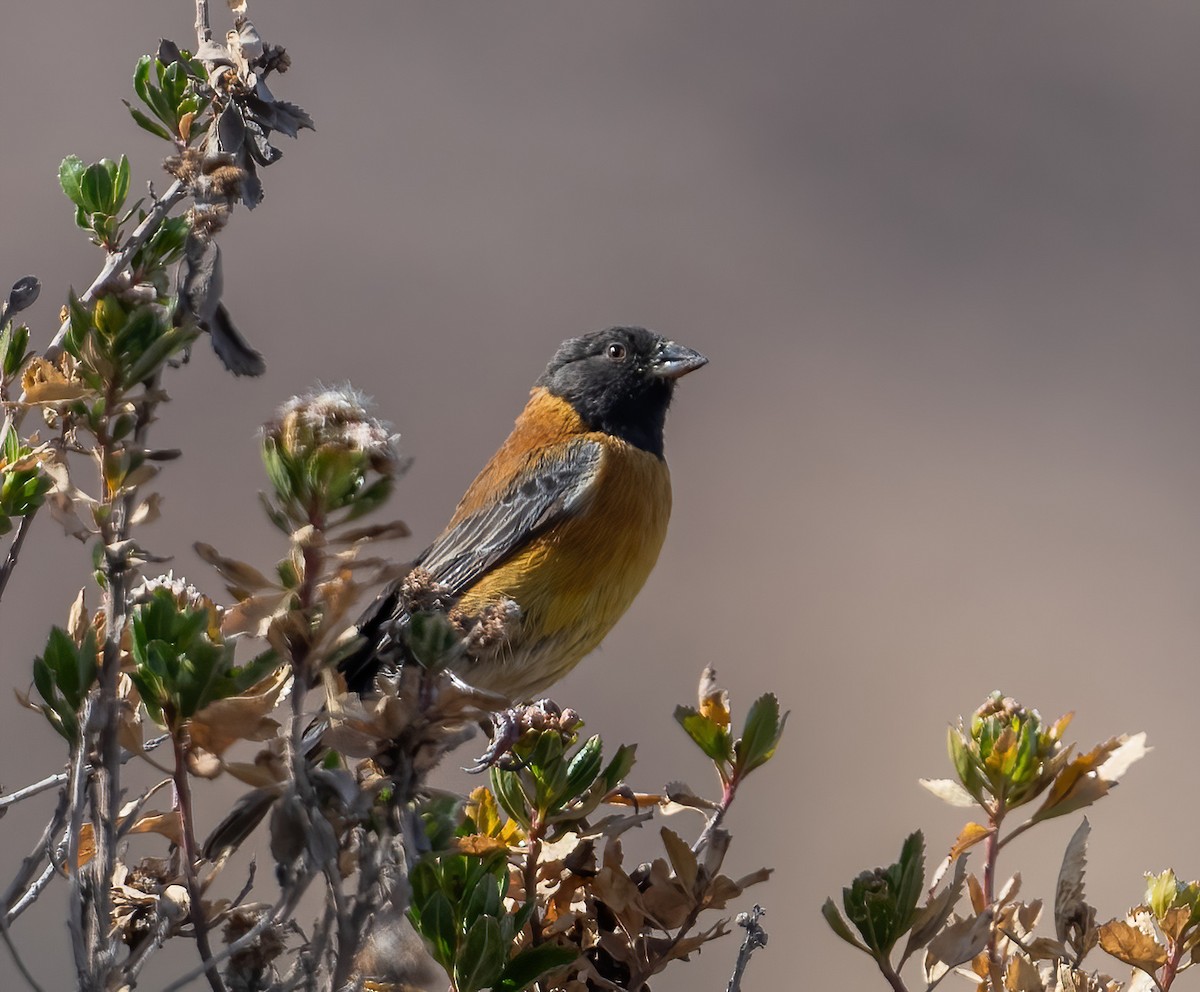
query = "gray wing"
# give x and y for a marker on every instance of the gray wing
(554, 488)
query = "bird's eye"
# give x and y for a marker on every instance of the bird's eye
(616, 351)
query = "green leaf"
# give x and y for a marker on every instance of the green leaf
(12, 444)
(482, 899)
(96, 187)
(1161, 893)
(964, 764)
(16, 340)
(369, 499)
(621, 765)
(507, 787)
(481, 957)
(910, 878)
(120, 184)
(141, 79)
(761, 734)
(150, 94)
(840, 926)
(584, 766)
(434, 920)
(70, 174)
(431, 638)
(881, 903)
(168, 343)
(532, 963)
(709, 736)
(43, 680)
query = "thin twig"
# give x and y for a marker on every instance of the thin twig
(31, 894)
(893, 979)
(45, 785)
(183, 794)
(728, 793)
(281, 911)
(117, 261)
(14, 550)
(756, 937)
(74, 829)
(12, 949)
(138, 958)
(40, 852)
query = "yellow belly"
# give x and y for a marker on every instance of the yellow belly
(575, 582)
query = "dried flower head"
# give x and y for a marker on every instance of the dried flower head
(336, 417)
(325, 452)
(186, 596)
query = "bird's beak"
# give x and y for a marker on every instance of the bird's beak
(673, 360)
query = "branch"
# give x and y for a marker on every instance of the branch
(14, 551)
(31, 894)
(20, 887)
(79, 773)
(12, 949)
(117, 261)
(45, 785)
(183, 794)
(281, 911)
(203, 29)
(756, 937)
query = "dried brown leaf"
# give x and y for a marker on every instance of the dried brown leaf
(664, 900)
(1080, 783)
(224, 722)
(1175, 921)
(957, 944)
(479, 844)
(167, 824)
(87, 846)
(77, 619)
(1022, 975)
(1074, 918)
(237, 573)
(975, 890)
(932, 916)
(254, 614)
(63, 509)
(147, 511)
(1127, 943)
(683, 861)
(46, 382)
(374, 532)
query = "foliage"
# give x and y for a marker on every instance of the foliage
(1006, 758)
(540, 853)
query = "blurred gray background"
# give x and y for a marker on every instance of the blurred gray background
(944, 259)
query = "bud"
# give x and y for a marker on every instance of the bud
(187, 597)
(1008, 754)
(881, 903)
(325, 453)
(181, 660)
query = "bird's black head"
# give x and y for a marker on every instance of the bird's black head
(620, 381)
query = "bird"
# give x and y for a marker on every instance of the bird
(556, 535)
(562, 526)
